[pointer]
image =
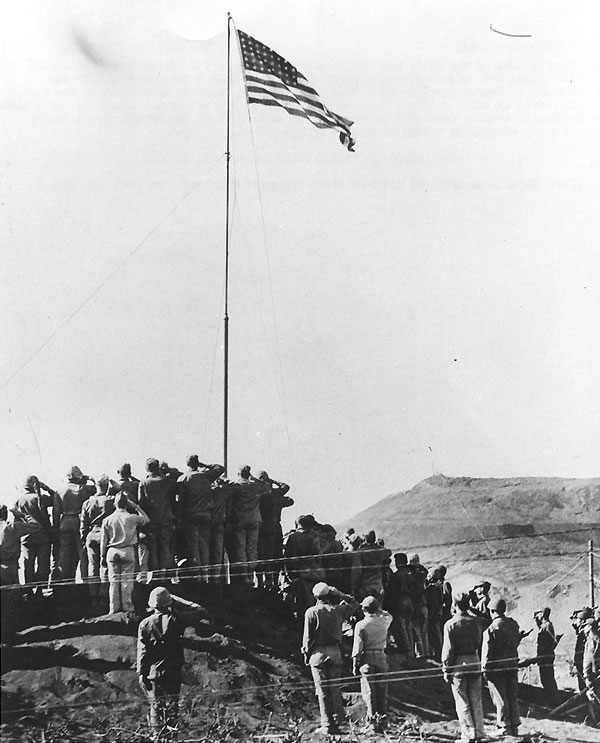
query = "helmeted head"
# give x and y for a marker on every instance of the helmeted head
(483, 588)
(31, 483)
(159, 598)
(585, 613)
(441, 571)
(371, 537)
(75, 475)
(498, 606)
(164, 468)
(462, 602)
(152, 466)
(124, 470)
(415, 559)
(400, 559)
(321, 590)
(103, 483)
(193, 461)
(264, 476)
(244, 471)
(369, 604)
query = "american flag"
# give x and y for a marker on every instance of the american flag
(273, 81)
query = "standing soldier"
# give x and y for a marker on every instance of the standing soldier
(245, 523)
(419, 619)
(270, 534)
(373, 560)
(117, 549)
(578, 621)
(462, 668)
(195, 509)
(546, 645)
(591, 668)
(300, 564)
(36, 546)
(321, 651)
(222, 493)
(369, 659)
(156, 498)
(434, 598)
(66, 516)
(160, 658)
(499, 662)
(95, 510)
(398, 599)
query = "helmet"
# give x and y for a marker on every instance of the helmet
(320, 590)
(159, 598)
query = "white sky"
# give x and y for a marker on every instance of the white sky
(439, 288)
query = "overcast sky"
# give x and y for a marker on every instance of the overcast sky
(428, 303)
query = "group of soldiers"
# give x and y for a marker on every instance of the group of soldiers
(203, 527)
(113, 530)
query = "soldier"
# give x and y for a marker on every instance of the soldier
(157, 499)
(546, 644)
(270, 534)
(369, 659)
(481, 599)
(160, 659)
(245, 524)
(118, 549)
(95, 509)
(398, 600)
(300, 565)
(446, 594)
(36, 546)
(10, 544)
(591, 668)
(195, 509)
(321, 650)
(578, 622)
(66, 516)
(222, 493)
(373, 560)
(499, 662)
(419, 617)
(462, 669)
(434, 597)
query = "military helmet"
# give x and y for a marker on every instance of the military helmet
(159, 598)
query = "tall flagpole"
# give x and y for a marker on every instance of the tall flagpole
(226, 317)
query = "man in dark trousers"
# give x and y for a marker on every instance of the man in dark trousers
(36, 546)
(270, 534)
(159, 661)
(398, 601)
(321, 651)
(546, 645)
(499, 663)
(156, 498)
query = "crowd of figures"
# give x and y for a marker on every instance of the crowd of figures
(199, 526)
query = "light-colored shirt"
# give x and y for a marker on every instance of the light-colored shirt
(120, 529)
(370, 634)
(323, 624)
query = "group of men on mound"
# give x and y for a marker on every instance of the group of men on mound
(125, 527)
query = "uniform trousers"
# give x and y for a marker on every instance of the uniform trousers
(35, 554)
(217, 552)
(244, 545)
(158, 541)
(196, 534)
(95, 570)
(419, 628)
(121, 567)
(163, 697)
(374, 685)
(70, 549)
(326, 668)
(466, 690)
(503, 687)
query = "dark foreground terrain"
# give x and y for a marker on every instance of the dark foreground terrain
(70, 676)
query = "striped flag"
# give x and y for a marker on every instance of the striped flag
(273, 81)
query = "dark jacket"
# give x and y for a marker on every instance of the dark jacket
(500, 645)
(160, 653)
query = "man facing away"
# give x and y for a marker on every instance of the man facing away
(160, 658)
(245, 524)
(66, 516)
(369, 659)
(462, 669)
(36, 546)
(321, 651)
(420, 614)
(499, 662)
(591, 668)
(156, 498)
(195, 509)
(118, 550)
(96, 508)
(270, 535)
(398, 599)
